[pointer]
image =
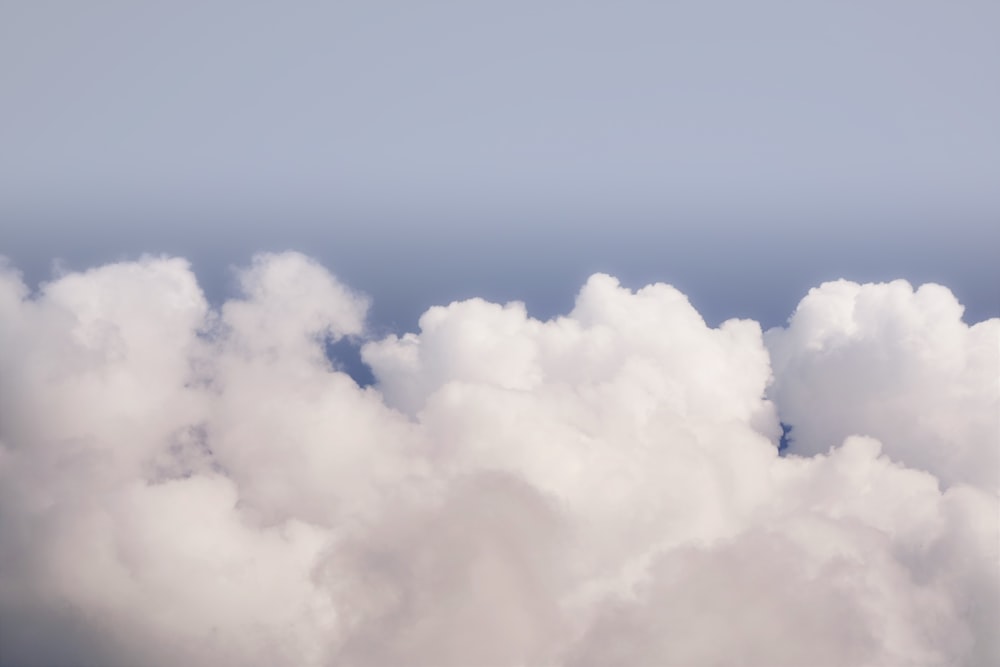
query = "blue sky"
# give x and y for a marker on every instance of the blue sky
(435, 150)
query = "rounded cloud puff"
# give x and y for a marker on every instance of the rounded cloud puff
(188, 485)
(897, 364)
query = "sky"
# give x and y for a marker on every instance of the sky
(742, 152)
(499, 333)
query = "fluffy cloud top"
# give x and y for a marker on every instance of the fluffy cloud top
(186, 485)
(896, 364)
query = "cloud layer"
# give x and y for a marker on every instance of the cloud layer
(188, 485)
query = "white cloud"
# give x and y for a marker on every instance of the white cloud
(183, 485)
(897, 364)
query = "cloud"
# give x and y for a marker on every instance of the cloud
(898, 364)
(183, 484)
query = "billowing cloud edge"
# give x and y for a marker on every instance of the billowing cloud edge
(188, 484)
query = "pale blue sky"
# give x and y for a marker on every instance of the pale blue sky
(434, 150)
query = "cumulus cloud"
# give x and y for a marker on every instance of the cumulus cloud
(898, 364)
(181, 484)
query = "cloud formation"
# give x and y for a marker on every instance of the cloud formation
(896, 364)
(188, 485)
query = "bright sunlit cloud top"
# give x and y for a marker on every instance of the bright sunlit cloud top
(188, 485)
